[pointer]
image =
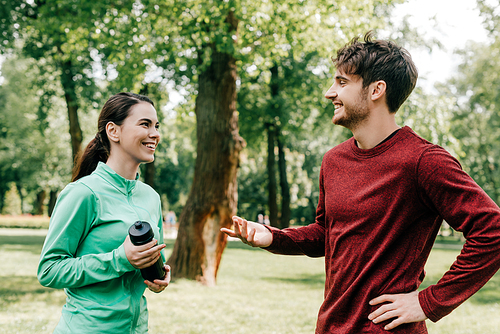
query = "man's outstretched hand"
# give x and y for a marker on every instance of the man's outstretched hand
(253, 234)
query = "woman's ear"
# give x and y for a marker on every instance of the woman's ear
(113, 132)
(377, 89)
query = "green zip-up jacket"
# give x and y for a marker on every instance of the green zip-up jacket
(84, 254)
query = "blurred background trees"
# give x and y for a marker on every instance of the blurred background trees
(238, 86)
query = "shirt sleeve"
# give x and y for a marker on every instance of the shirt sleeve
(306, 240)
(59, 267)
(447, 189)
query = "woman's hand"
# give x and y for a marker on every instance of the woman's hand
(158, 285)
(142, 256)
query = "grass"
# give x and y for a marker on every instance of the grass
(257, 292)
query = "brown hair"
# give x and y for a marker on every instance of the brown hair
(375, 60)
(115, 110)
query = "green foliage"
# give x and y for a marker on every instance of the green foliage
(55, 32)
(285, 69)
(33, 150)
(476, 122)
(153, 46)
(175, 159)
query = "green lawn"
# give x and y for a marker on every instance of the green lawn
(257, 292)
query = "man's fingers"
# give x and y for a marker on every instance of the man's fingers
(378, 312)
(243, 229)
(399, 309)
(229, 232)
(393, 324)
(385, 316)
(382, 299)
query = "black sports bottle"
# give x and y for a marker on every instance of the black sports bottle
(140, 234)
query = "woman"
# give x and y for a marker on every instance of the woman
(87, 250)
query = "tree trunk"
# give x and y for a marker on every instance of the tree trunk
(21, 197)
(40, 198)
(271, 176)
(149, 174)
(75, 130)
(285, 188)
(313, 205)
(213, 198)
(52, 201)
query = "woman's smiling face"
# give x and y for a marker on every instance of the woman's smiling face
(139, 134)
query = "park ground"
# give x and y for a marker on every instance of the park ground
(256, 292)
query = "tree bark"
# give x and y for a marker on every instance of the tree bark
(271, 143)
(271, 176)
(21, 197)
(312, 205)
(285, 188)
(149, 174)
(40, 198)
(52, 201)
(75, 130)
(213, 198)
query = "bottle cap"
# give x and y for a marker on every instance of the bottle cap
(140, 233)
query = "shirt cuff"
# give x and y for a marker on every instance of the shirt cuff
(122, 262)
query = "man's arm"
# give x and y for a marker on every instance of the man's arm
(468, 209)
(305, 240)
(447, 189)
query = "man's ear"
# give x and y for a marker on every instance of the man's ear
(113, 132)
(377, 90)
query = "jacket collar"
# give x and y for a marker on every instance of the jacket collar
(122, 184)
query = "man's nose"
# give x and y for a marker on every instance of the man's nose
(331, 93)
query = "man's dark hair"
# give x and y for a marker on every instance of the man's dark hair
(375, 60)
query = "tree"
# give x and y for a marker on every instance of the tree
(206, 39)
(33, 153)
(213, 197)
(280, 41)
(477, 118)
(61, 35)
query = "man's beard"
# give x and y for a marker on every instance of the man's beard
(355, 114)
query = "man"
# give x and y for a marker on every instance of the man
(383, 196)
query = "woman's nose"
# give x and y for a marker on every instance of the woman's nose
(154, 133)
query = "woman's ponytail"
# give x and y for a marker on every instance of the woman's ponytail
(87, 162)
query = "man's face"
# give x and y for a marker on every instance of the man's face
(349, 99)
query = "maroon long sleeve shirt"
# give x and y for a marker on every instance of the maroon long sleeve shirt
(378, 215)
